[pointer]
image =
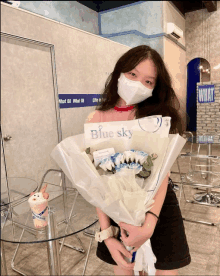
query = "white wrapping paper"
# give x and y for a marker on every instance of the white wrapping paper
(109, 193)
(145, 259)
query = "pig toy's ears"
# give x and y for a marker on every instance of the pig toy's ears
(32, 193)
(45, 195)
(43, 189)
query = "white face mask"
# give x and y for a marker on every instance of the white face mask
(132, 92)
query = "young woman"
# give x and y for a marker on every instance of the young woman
(140, 86)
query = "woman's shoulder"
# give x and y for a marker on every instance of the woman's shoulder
(94, 117)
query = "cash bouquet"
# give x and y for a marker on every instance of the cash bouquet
(124, 182)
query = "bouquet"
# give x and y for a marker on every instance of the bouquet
(121, 194)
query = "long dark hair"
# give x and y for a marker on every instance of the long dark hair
(163, 100)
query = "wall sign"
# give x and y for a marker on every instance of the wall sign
(78, 100)
(206, 93)
(205, 139)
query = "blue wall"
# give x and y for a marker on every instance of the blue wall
(68, 12)
(135, 24)
(193, 76)
(132, 25)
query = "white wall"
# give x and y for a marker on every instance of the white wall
(171, 14)
(203, 38)
(83, 63)
(83, 60)
(175, 56)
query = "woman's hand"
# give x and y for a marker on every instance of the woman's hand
(135, 236)
(117, 251)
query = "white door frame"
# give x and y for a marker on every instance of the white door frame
(56, 95)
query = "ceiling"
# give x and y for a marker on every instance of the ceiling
(182, 6)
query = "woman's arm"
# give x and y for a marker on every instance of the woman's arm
(103, 219)
(151, 220)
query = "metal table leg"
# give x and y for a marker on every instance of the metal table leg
(208, 197)
(53, 246)
(90, 233)
(67, 221)
(3, 262)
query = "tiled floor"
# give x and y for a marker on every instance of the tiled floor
(203, 240)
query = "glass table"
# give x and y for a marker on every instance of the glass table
(62, 222)
(15, 189)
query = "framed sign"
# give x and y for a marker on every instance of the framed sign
(206, 93)
(205, 139)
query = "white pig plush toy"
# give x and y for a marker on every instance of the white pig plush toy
(39, 206)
